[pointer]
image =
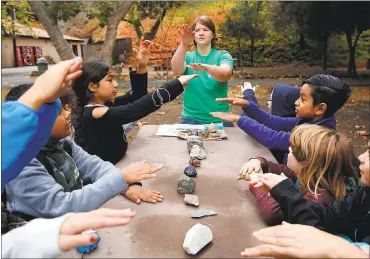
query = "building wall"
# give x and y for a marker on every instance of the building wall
(7, 56)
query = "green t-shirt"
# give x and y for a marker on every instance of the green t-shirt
(201, 92)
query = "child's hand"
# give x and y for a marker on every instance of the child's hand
(267, 181)
(234, 101)
(140, 171)
(185, 79)
(70, 233)
(187, 35)
(137, 193)
(202, 67)
(144, 52)
(226, 116)
(50, 85)
(252, 166)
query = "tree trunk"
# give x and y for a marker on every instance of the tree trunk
(55, 33)
(326, 38)
(111, 33)
(351, 70)
(240, 57)
(153, 31)
(252, 52)
(302, 41)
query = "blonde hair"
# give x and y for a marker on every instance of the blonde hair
(326, 159)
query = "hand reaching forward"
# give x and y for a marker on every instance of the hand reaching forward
(300, 241)
(140, 171)
(137, 193)
(70, 233)
(267, 181)
(186, 78)
(234, 101)
(226, 116)
(252, 166)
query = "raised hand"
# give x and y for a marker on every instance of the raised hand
(226, 116)
(143, 54)
(50, 85)
(234, 101)
(70, 233)
(185, 79)
(140, 171)
(187, 35)
(252, 166)
(137, 193)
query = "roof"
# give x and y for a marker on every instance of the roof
(26, 31)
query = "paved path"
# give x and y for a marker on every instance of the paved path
(12, 77)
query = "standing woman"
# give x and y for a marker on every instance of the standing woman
(214, 67)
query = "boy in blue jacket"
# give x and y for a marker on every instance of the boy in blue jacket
(64, 178)
(320, 97)
(27, 122)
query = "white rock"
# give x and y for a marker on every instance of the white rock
(197, 237)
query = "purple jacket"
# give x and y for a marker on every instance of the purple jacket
(273, 131)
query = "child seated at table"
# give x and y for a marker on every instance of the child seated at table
(64, 178)
(319, 164)
(349, 216)
(98, 115)
(320, 97)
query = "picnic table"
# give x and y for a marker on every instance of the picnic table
(158, 230)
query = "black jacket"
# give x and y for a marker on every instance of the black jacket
(349, 216)
(105, 136)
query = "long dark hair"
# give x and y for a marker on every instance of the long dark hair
(92, 71)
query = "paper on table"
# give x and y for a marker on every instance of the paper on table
(172, 130)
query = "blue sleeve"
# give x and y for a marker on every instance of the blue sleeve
(271, 121)
(24, 132)
(250, 96)
(269, 138)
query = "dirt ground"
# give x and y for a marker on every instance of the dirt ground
(353, 119)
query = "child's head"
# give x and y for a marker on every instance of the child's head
(62, 124)
(15, 93)
(205, 31)
(321, 158)
(67, 99)
(365, 166)
(320, 97)
(95, 85)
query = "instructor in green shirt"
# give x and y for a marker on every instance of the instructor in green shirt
(214, 67)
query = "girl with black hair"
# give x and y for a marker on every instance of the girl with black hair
(98, 114)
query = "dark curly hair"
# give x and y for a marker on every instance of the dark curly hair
(92, 71)
(329, 90)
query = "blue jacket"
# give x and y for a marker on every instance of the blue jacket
(273, 131)
(24, 132)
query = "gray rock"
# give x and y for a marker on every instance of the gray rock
(203, 213)
(186, 185)
(191, 200)
(197, 237)
(193, 140)
(197, 152)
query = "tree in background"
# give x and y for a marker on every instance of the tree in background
(353, 18)
(22, 13)
(49, 13)
(246, 20)
(149, 9)
(110, 13)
